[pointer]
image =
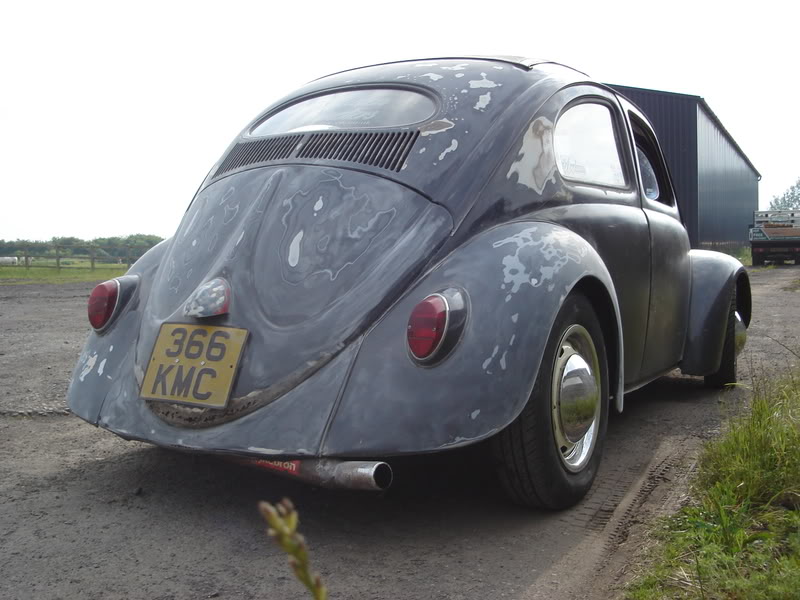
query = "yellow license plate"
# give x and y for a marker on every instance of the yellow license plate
(194, 364)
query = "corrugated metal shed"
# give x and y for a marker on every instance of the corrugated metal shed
(716, 184)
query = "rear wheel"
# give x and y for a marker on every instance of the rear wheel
(726, 374)
(548, 457)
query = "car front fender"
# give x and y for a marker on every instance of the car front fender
(714, 278)
(516, 277)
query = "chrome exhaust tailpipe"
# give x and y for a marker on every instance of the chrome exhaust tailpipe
(372, 476)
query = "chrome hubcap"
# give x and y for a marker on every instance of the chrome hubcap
(576, 398)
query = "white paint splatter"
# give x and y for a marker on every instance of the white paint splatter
(474, 414)
(458, 67)
(294, 249)
(194, 243)
(421, 150)
(433, 76)
(459, 74)
(430, 64)
(483, 101)
(111, 349)
(503, 360)
(488, 361)
(101, 367)
(498, 68)
(464, 91)
(514, 317)
(511, 341)
(87, 368)
(451, 148)
(482, 82)
(319, 204)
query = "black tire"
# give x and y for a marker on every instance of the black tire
(726, 374)
(530, 464)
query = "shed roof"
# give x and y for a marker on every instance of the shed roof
(701, 102)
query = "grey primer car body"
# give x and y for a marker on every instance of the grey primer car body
(328, 239)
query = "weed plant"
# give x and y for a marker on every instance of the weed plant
(740, 537)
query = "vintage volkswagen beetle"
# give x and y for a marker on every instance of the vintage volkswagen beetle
(410, 258)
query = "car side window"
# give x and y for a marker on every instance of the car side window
(649, 180)
(652, 168)
(586, 146)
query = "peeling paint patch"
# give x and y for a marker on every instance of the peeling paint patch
(557, 249)
(474, 414)
(535, 164)
(436, 127)
(483, 101)
(451, 148)
(101, 367)
(458, 67)
(459, 74)
(433, 76)
(87, 368)
(294, 249)
(503, 360)
(482, 82)
(514, 317)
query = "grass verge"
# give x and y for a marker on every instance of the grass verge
(740, 537)
(19, 275)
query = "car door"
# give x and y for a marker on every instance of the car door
(600, 201)
(670, 267)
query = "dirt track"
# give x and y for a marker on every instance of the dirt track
(84, 514)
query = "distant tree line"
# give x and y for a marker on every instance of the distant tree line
(70, 246)
(789, 200)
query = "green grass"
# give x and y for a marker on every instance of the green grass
(17, 275)
(740, 537)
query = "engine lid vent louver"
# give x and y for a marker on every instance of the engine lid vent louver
(261, 150)
(386, 150)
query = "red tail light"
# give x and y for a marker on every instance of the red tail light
(427, 326)
(102, 302)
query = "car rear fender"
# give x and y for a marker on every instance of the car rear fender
(714, 277)
(98, 366)
(515, 276)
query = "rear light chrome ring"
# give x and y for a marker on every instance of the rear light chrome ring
(456, 304)
(126, 287)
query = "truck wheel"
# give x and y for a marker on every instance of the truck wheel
(726, 374)
(548, 457)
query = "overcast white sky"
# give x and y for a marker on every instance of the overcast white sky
(113, 113)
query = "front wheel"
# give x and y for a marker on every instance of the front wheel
(548, 457)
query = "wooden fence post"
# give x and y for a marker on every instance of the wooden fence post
(27, 259)
(91, 255)
(128, 256)
(58, 257)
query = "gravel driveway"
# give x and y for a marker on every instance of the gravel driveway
(86, 515)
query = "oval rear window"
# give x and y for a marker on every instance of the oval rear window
(353, 109)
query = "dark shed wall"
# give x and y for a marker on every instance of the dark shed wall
(726, 183)
(674, 118)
